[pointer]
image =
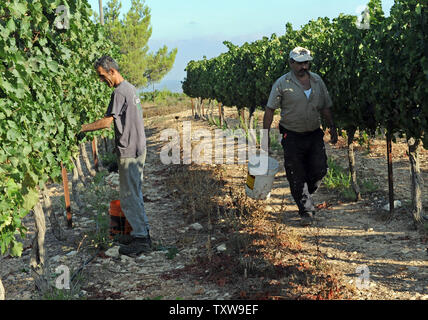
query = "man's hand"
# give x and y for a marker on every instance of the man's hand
(333, 135)
(267, 122)
(326, 112)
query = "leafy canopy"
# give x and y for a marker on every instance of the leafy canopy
(131, 34)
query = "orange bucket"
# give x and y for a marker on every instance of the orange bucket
(119, 225)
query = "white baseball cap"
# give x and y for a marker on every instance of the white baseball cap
(300, 54)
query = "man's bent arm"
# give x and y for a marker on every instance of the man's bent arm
(328, 116)
(100, 124)
(268, 118)
(267, 122)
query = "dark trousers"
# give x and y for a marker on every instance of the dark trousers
(305, 163)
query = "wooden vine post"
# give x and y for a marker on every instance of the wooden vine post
(66, 196)
(390, 172)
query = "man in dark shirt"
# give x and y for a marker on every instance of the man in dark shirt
(126, 113)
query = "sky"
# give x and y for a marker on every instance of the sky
(197, 28)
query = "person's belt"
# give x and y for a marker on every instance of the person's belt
(283, 130)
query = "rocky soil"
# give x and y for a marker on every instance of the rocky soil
(213, 243)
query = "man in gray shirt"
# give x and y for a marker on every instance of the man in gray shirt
(302, 97)
(126, 113)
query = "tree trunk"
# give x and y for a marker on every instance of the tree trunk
(223, 117)
(210, 111)
(251, 118)
(220, 114)
(38, 250)
(86, 159)
(416, 180)
(95, 154)
(106, 149)
(351, 159)
(98, 146)
(242, 115)
(203, 109)
(193, 107)
(37, 259)
(74, 188)
(56, 228)
(252, 133)
(198, 108)
(79, 170)
(2, 291)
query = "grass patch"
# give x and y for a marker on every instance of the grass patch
(339, 179)
(215, 121)
(97, 198)
(163, 97)
(101, 237)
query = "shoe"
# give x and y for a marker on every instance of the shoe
(149, 240)
(306, 219)
(123, 239)
(136, 246)
(127, 239)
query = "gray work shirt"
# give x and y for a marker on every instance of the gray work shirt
(126, 110)
(298, 113)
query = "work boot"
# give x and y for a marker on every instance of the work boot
(137, 246)
(123, 239)
(306, 219)
(127, 239)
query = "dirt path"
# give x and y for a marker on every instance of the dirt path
(353, 235)
(213, 243)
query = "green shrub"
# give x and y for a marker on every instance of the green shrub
(163, 97)
(338, 178)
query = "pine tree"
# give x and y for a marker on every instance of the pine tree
(159, 65)
(131, 34)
